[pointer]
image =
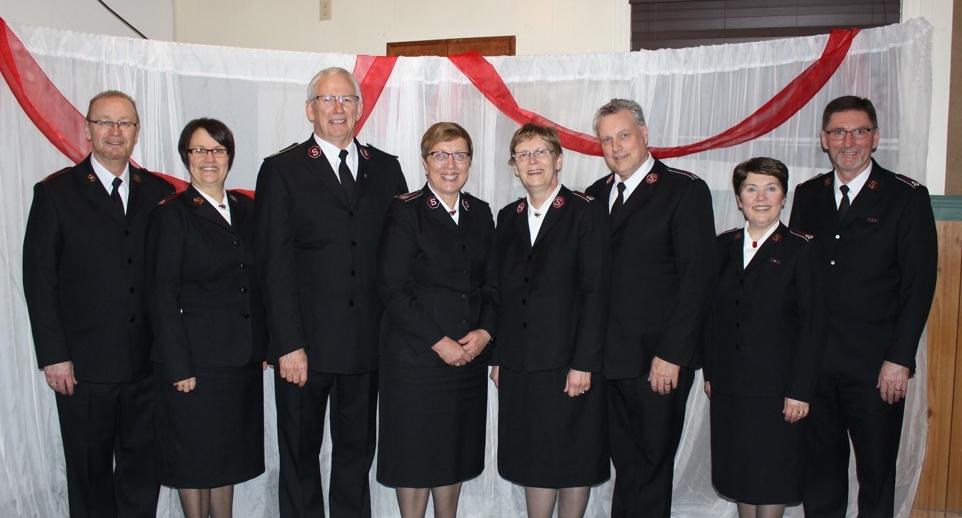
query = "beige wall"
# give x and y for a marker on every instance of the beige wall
(154, 18)
(365, 26)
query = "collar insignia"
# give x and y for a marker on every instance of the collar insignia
(521, 208)
(651, 178)
(314, 151)
(558, 202)
(433, 202)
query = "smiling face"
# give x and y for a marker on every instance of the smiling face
(538, 175)
(850, 156)
(761, 200)
(447, 177)
(208, 172)
(334, 123)
(112, 147)
(623, 142)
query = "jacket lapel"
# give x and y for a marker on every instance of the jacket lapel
(768, 252)
(558, 205)
(640, 195)
(867, 197)
(521, 223)
(94, 191)
(436, 210)
(205, 210)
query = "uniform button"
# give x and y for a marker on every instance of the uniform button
(132, 289)
(832, 262)
(741, 281)
(126, 232)
(464, 321)
(737, 325)
(524, 324)
(350, 303)
(737, 302)
(244, 290)
(737, 347)
(353, 243)
(236, 242)
(464, 296)
(524, 302)
(247, 315)
(464, 247)
(243, 265)
(837, 236)
(525, 280)
(131, 319)
(351, 213)
(353, 273)
(529, 257)
(130, 261)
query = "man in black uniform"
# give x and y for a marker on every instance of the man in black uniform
(320, 206)
(880, 247)
(83, 277)
(663, 271)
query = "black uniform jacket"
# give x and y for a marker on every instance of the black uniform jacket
(882, 260)
(766, 328)
(663, 271)
(554, 295)
(83, 273)
(204, 300)
(317, 252)
(436, 278)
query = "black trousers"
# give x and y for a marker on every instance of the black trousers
(110, 449)
(645, 428)
(300, 432)
(840, 410)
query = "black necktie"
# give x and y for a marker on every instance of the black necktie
(347, 179)
(115, 195)
(620, 200)
(845, 203)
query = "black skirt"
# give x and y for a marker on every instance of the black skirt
(213, 435)
(431, 424)
(756, 457)
(548, 439)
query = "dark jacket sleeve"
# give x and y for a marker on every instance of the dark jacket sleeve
(41, 255)
(594, 263)
(693, 236)
(811, 287)
(167, 231)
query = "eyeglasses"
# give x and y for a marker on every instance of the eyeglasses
(345, 100)
(857, 133)
(537, 153)
(107, 125)
(441, 157)
(200, 152)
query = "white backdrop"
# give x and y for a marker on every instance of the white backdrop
(688, 95)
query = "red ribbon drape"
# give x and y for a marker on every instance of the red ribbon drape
(371, 73)
(63, 124)
(771, 115)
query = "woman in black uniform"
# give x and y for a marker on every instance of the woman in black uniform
(210, 336)
(437, 280)
(764, 339)
(553, 256)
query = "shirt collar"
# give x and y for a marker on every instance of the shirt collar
(333, 154)
(540, 211)
(636, 178)
(106, 177)
(855, 185)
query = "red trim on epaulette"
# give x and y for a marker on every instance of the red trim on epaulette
(804, 235)
(408, 196)
(58, 173)
(168, 198)
(288, 148)
(583, 196)
(691, 176)
(238, 192)
(729, 231)
(908, 180)
(611, 178)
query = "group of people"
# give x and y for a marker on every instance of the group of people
(154, 314)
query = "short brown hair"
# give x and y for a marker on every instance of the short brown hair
(760, 165)
(444, 132)
(530, 131)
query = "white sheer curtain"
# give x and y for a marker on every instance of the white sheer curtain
(688, 95)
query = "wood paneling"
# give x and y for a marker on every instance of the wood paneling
(685, 23)
(488, 46)
(939, 494)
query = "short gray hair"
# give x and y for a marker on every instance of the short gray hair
(617, 105)
(331, 71)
